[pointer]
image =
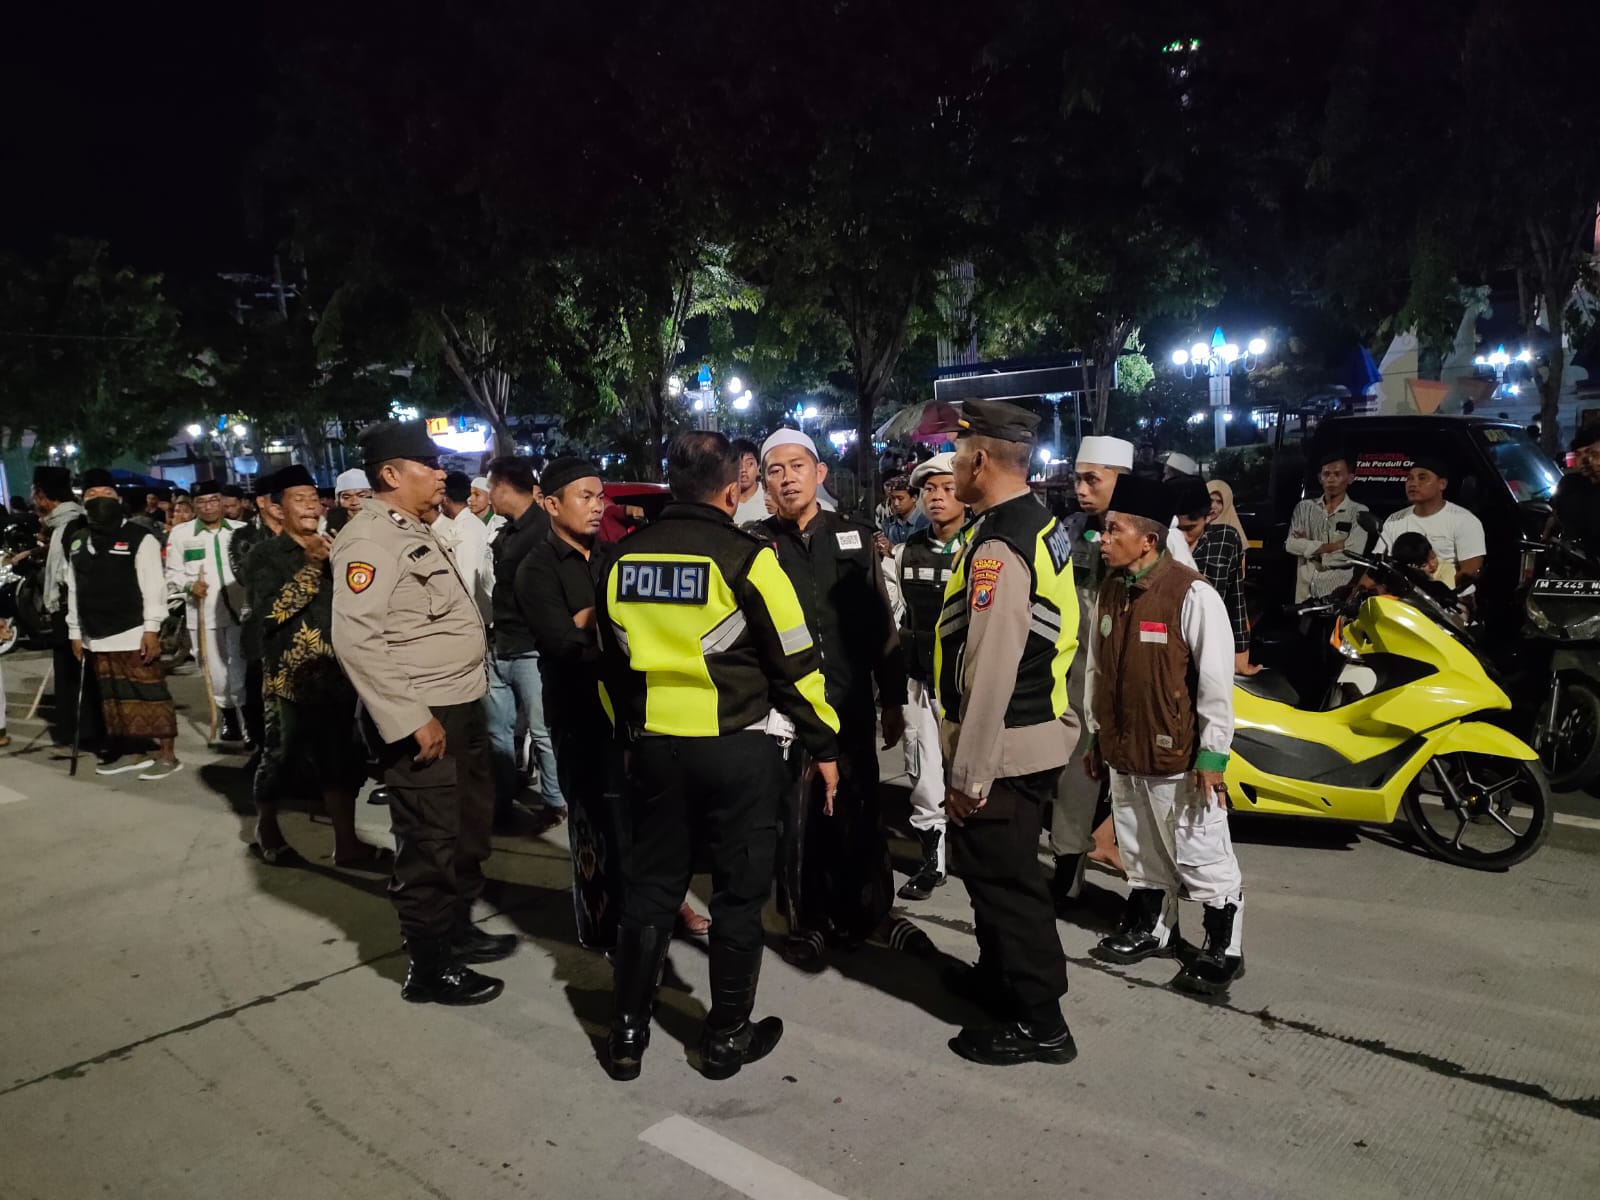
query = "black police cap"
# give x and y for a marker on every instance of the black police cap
(999, 420)
(396, 439)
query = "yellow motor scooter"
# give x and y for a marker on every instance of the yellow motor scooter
(1394, 729)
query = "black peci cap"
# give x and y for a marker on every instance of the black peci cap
(1136, 496)
(97, 477)
(206, 487)
(292, 476)
(563, 471)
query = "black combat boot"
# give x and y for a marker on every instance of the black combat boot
(1214, 968)
(437, 978)
(930, 874)
(639, 957)
(232, 731)
(730, 1039)
(469, 944)
(1066, 885)
(1136, 940)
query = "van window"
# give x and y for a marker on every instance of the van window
(1527, 470)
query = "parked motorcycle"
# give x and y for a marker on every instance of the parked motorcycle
(1393, 726)
(1562, 609)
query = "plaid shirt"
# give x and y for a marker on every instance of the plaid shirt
(1219, 556)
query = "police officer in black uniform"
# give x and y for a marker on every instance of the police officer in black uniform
(701, 634)
(838, 882)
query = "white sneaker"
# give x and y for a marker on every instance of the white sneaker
(160, 770)
(123, 766)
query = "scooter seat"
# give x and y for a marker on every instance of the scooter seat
(1269, 685)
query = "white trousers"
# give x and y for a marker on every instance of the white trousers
(924, 759)
(224, 659)
(1170, 837)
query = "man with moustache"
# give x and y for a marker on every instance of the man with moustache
(289, 579)
(200, 568)
(838, 883)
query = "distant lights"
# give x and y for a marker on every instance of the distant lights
(1180, 358)
(193, 429)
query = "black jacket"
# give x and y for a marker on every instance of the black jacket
(838, 575)
(509, 548)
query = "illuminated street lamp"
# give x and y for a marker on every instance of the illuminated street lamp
(1217, 361)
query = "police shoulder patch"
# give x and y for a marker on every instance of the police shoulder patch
(985, 582)
(358, 576)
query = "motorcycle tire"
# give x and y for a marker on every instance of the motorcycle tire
(10, 639)
(1577, 765)
(1473, 796)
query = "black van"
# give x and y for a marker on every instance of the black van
(1495, 468)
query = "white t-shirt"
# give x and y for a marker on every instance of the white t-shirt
(753, 509)
(1453, 532)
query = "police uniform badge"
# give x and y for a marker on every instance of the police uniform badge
(358, 576)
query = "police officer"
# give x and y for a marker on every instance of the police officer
(1006, 638)
(410, 638)
(701, 633)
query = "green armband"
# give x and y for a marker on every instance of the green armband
(1211, 760)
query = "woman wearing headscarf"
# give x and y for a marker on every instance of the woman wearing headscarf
(1222, 510)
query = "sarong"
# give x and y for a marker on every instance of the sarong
(134, 696)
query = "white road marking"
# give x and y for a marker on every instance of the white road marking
(8, 796)
(1579, 822)
(729, 1163)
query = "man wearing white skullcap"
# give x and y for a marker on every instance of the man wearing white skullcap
(350, 489)
(838, 885)
(478, 503)
(1180, 466)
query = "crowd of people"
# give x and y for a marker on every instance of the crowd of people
(712, 689)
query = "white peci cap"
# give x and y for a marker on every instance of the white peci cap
(1106, 452)
(788, 437)
(1182, 464)
(353, 480)
(481, 484)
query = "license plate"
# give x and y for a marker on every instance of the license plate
(1582, 588)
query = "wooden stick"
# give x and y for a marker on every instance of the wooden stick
(33, 709)
(205, 663)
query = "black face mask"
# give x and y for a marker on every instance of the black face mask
(103, 513)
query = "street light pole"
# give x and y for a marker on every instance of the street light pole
(1217, 361)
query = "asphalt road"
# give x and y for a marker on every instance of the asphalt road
(179, 1021)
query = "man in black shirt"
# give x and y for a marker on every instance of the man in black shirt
(554, 591)
(1577, 499)
(837, 880)
(515, 685)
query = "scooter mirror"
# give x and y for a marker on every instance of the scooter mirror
(1368, 522)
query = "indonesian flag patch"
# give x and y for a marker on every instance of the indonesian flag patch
(358, 576)
(1153, 631)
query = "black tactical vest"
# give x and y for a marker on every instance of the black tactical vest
(924, 572)
(107, 582)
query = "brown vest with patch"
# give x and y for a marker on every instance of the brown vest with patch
(1145, 677)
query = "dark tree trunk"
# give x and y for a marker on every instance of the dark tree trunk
(1107, 349)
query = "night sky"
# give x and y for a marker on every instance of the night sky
(133, 124)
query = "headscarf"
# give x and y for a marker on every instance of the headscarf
(1229, 514)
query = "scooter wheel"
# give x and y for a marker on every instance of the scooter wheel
(1480, 811)
(1571, 753)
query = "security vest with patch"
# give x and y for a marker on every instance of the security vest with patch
(924, 572)
(701, 635)
(1043, 542)
(103, 564)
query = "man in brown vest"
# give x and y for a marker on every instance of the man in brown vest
(1159, 695)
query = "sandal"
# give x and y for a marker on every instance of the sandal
(692, 923)
(278, 856)
(805, 951)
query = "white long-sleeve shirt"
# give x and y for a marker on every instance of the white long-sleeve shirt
(1208, 631)
(470, 539)
(195, 552)
(152, 594)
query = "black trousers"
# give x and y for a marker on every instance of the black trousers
(440, 814)
(837, 878)
(997, 858)
(714, 798)
(64, 717)
(589, 769)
